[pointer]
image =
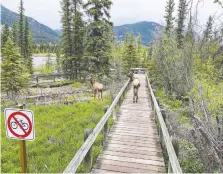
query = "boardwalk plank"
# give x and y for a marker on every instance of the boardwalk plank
(153, 169)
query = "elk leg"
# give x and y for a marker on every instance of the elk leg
(101, 96)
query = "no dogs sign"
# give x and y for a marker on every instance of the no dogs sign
(19, 124)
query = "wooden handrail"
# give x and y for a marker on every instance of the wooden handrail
(79, 156)
(167, 140)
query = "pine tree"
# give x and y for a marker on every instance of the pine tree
(66, 43)
(5, 34)
(21, 28)
(99, 35)
(182, 11)
(169, 16)
(14, 32)
(12, 76)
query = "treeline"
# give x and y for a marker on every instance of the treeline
(187, 71)
(16, 48)
(85, 45)
(90, 45)
(45, 48)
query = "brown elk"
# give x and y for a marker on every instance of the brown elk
(131, 76)
(136, 85)
(97, 88)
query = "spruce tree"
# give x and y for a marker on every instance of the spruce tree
(58, 57)
(189, 34)
(14, 32)
(182, 11)
(99, 35)
(48, 64)
(28, 47)
(21, 28)
(208, 33)
(12, 76)
(66, 42)
(130, 59)
(78, 32)
(169, 16)
(5, 34)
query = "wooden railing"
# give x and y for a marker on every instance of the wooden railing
(174, 165)
(84, 153)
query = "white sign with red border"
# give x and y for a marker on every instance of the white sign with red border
(19, 124)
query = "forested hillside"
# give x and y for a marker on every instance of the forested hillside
(41, 33)
(144, 28)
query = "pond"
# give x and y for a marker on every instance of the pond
(40, 60)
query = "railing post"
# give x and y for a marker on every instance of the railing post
(114, 110)
(88, 159)
(105, 126)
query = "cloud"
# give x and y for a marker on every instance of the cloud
(122, 11)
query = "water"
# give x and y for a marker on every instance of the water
(40, 60)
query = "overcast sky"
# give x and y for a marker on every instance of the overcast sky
(122, 11)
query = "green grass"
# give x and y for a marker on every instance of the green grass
(59, 133)
(76, 84)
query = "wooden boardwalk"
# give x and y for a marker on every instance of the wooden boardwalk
(132, 145)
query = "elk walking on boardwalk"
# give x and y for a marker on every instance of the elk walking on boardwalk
(136, 85)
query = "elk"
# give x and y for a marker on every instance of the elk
(97, 88)
(131, 76)
(136, 85)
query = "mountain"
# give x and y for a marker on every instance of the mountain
(144, 28)
(41, 33)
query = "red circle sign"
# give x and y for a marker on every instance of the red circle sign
(26, 133)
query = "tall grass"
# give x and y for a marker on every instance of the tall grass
(59, 133)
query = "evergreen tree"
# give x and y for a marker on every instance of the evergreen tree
(99, 35)
(169, 16)
(182, 11)
(189, 34)
(13, 78)
(30, 52)
(208, 33)
(58, 56)
(28, 48)
(14, 32)
(130, 59)
(78, 37)
(26, 40)
(21, 28)
(66, 43)
(49, 64)
(5, 34)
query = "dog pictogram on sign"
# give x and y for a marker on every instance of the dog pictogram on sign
(19, 124)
